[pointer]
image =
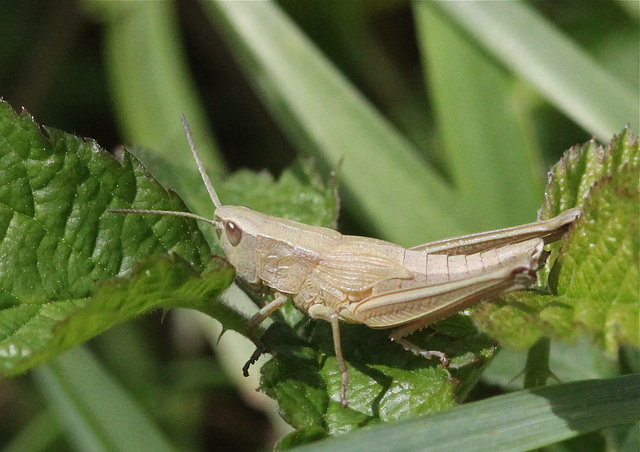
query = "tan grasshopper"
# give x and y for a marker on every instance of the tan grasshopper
(336, 277)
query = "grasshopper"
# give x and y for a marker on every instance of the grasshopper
(335, 277)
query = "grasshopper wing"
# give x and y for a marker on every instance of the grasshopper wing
(355, 266)
(418, 307)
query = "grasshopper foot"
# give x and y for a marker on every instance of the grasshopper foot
(254, 358)
(345, 385)
(422, 352)
(433, 353)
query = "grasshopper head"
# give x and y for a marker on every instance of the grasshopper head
(237, 228)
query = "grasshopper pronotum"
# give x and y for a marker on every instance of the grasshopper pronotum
(336, 277)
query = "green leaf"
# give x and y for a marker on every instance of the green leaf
(299, 194)
(386, 383)
(594, 282)
(540, 417)
(584, 167)
(71, 269)
(160, 282)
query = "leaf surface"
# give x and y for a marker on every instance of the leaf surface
(70, 268)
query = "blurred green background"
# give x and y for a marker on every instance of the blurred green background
(443, 84)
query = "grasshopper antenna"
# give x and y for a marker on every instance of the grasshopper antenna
(164, 212)
(205, 178)
(196, 156)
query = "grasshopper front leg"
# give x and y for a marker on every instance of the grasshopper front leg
(252, 328)
(315, 312)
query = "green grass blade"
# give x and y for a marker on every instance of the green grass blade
(487, 143)
(324, 115)
(632, 8)
(520, 421)
(97, 412)
(39, 434)
(565, 75)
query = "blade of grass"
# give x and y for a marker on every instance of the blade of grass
(324, 115)
(488, 152)
(39, 434)
(632, 8)
(568, 78)
(520, 421)
(97, 412)
(340, 29)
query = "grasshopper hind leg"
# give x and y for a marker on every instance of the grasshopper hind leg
(424, 305)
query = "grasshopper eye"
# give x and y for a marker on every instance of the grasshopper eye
(233, 233)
